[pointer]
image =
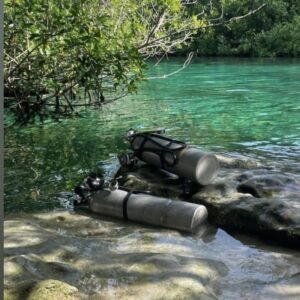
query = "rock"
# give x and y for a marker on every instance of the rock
(53, 289)
(130, 261)
(147, 178)
(19, 290)
(168, 276)
(265, 205)
(215, 192)
(240, 162)
(94, 266)
(288, 288)
(272, 219)
(267, 185)
(260, 201)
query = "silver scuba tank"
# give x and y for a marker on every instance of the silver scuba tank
(174, 156)
(149, 209)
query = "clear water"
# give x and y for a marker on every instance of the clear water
(237, 106)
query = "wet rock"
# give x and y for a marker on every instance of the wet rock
(260, 201)
(131, 261)
(237, 162)
(271, 218)
(288, 288)
(19, 290)
(267, 185)
(22, 267)
(60, 219)
(53, 289)
(150, 179)
(167, 276)
(264, 205)
(215, 192)
(83, 267)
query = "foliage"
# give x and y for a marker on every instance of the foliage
(64, 54)
(272, 31)
(61, 55)
(282, 40)
(55, 49)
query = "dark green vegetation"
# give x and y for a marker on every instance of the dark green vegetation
(245, 106)
(61, 55)
(272, 31)
(65, 54)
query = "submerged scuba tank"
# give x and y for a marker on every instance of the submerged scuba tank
(171, 155)
(149, 209)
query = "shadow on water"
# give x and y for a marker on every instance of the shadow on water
(207, 234)
(92, 252)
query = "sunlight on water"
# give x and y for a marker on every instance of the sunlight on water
(240, 106)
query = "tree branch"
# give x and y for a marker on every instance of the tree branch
(191, 29)
(186, 63)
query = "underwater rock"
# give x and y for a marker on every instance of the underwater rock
(131, 261)
(167, 276)
(121, 263)
(53, 289)
(226, 161)
(19, 290)
(288, 288)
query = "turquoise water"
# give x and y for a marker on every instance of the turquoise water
(238, 106)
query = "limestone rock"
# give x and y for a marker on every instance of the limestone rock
(150, 179)
(261, 201)
(237, 162)
(288, 288)
(19, 290)
(267, 185)
(53, 289)
(131, 261)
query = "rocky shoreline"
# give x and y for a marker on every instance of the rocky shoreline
(78, 255)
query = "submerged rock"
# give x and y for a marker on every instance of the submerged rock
(166, 276)
(288, 288)
(237, 162)
(119, 263)
(260, 201)
(53, 289)
(64, 255)
(47, 259)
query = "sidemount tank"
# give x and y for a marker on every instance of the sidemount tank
(149, 209)
(175, 157)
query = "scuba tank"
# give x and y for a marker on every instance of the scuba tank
(107, 198)
(149, 209)
(189, 163)
(171, 155)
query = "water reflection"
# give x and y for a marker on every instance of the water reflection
(243, 106)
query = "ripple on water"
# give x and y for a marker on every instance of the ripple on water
(118, 261)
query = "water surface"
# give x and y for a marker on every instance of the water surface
(239, 106)
(234, 106)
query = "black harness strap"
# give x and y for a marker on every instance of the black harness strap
(125, 200)
(161, 151)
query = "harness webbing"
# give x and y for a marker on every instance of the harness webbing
(161, 150)
(125, 201)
